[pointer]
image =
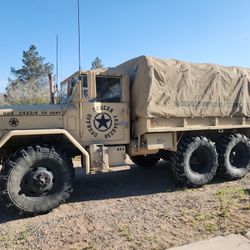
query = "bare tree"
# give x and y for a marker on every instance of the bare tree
(2, 102)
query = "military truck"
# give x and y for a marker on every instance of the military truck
(196, 116)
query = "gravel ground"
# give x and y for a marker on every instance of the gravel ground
(132, 209)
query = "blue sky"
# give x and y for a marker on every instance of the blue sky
(216, 31)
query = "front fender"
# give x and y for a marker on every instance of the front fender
(15, 133)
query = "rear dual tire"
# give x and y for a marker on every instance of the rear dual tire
(234, 156)
(195, 162)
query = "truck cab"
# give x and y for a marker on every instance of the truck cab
(96, 112)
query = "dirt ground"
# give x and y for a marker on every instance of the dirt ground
(132, 209)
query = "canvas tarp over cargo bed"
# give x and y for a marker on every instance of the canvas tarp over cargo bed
(171, 88)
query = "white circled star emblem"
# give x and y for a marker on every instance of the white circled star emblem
(102, 122)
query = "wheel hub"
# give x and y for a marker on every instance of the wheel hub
(39, 181)
(239, 156)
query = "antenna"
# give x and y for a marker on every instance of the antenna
(57, 65)
(79, 35)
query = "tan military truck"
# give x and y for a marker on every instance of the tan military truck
(194, 115)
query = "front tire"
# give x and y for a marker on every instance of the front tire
(234, 156)
(195, 162)
(35, 180)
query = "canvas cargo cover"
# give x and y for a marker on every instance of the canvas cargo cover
(171, 88)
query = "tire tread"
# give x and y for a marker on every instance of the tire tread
(10, 164)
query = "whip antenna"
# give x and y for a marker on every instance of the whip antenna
(79, 34)
(57, 64)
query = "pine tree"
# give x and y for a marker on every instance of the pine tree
(30, 85)
(97, 63)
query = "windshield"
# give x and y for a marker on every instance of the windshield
(68, 85)
(64, 92)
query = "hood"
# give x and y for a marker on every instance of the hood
(31, 110)
(30, 117)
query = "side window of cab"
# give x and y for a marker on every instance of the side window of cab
(108, 89)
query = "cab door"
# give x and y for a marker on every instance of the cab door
(106, 115)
